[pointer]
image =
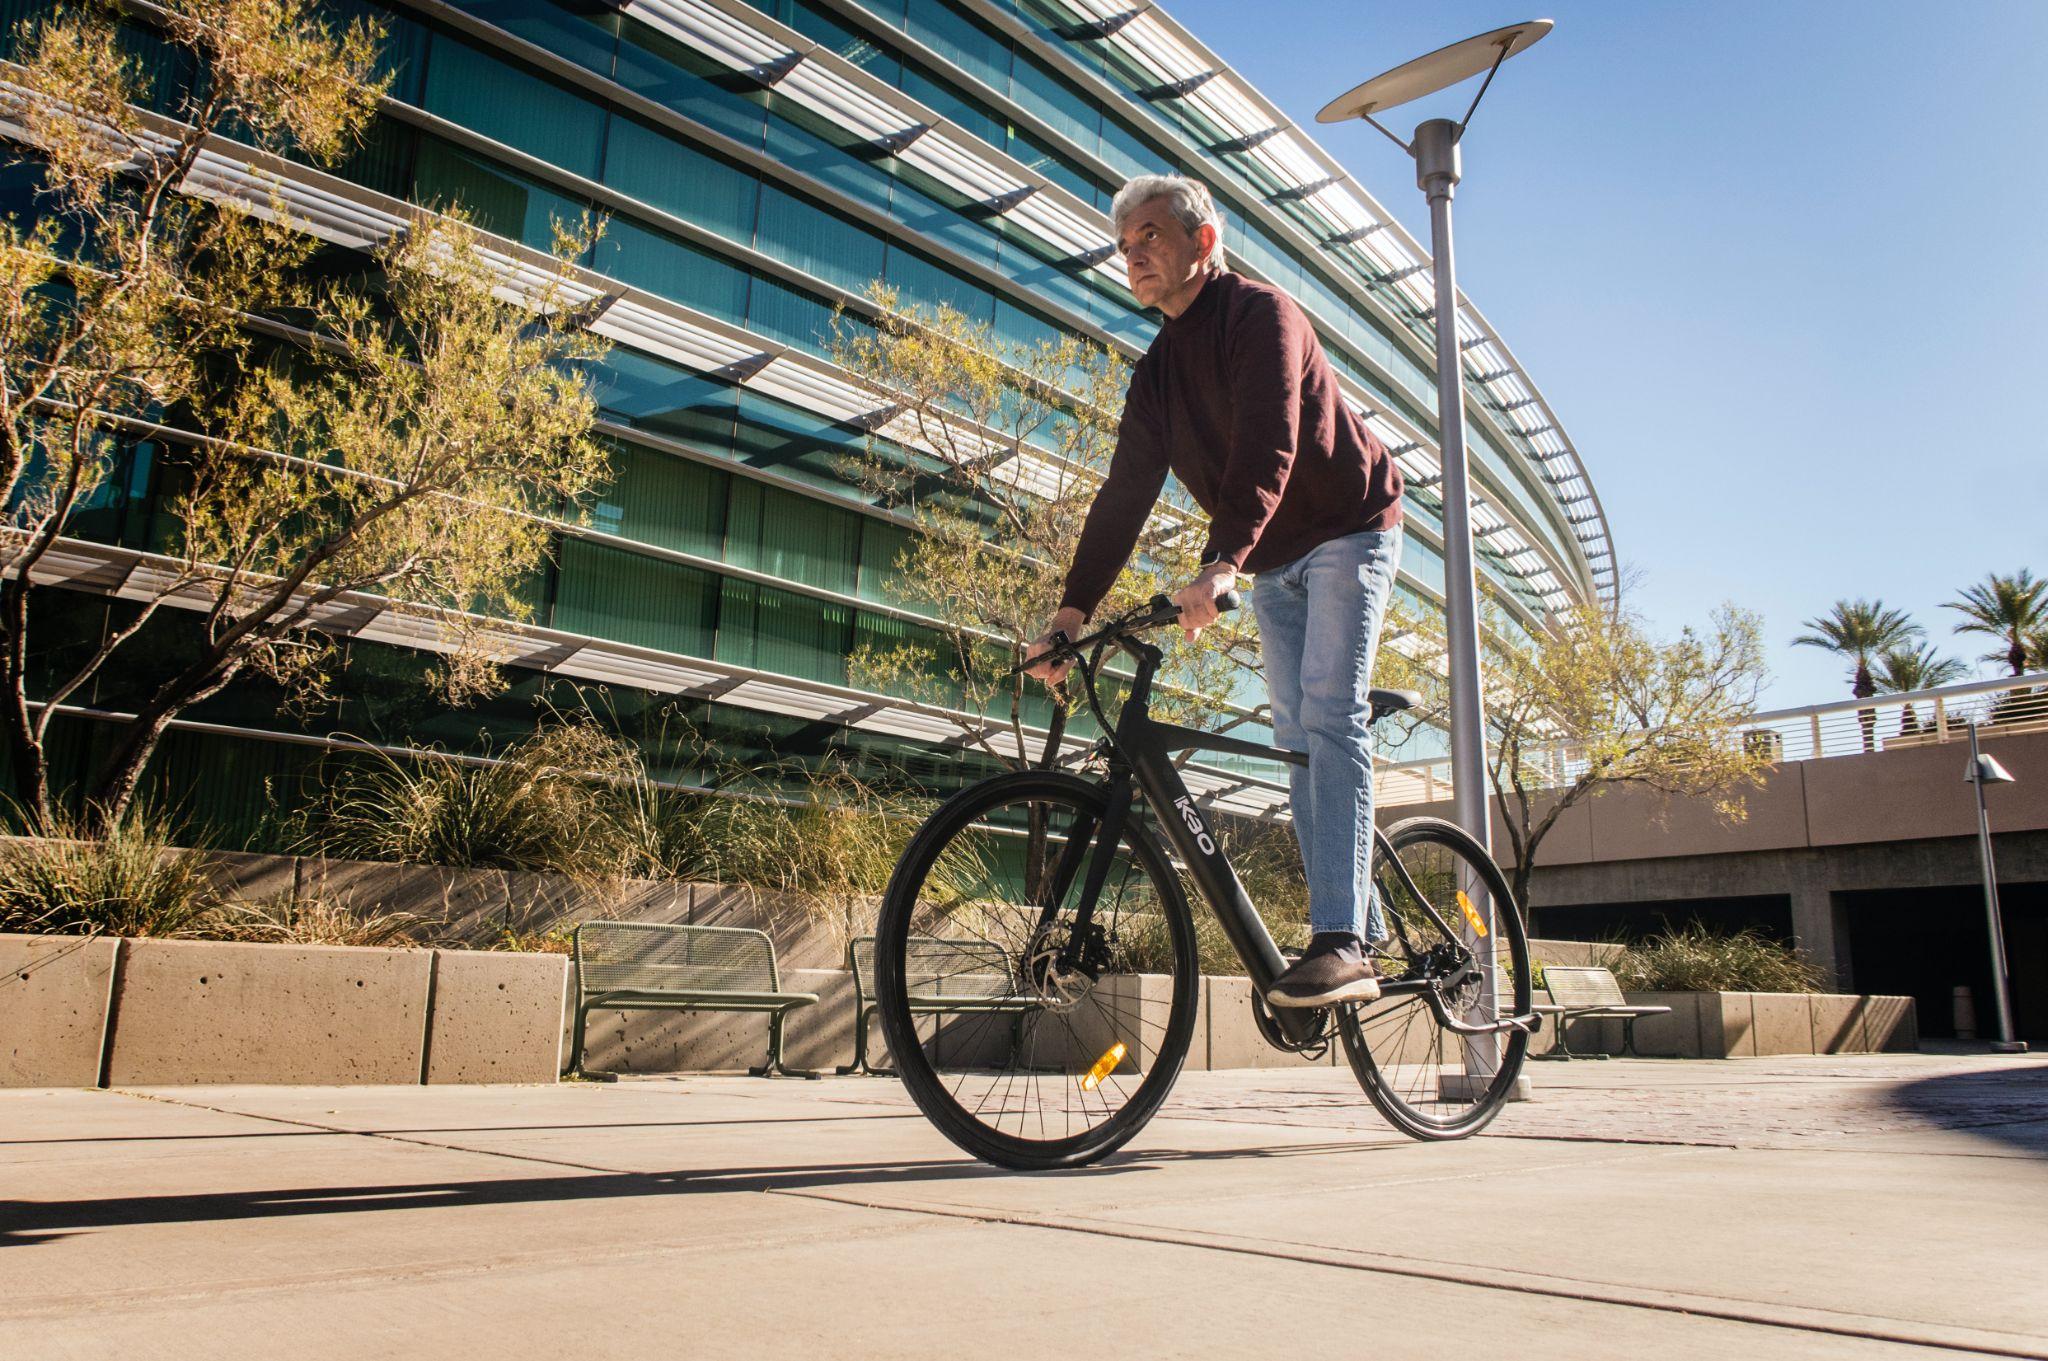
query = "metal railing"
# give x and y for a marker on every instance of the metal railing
(1849, 727)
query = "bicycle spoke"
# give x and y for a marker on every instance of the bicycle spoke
(1033, 1025)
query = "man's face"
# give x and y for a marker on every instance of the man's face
(1163, 258)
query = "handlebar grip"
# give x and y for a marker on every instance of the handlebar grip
(1228, 601)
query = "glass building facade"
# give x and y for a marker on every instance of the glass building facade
(760, 164)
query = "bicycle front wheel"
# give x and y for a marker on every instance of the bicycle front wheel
(1429, 1081)
(1031, 1034)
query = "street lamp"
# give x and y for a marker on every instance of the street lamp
(1983, 770)
(1435, 152)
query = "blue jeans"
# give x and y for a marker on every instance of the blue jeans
(1319, 627)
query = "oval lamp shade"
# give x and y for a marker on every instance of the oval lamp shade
(1439, 70)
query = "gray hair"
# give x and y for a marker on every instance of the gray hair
(1188, 200)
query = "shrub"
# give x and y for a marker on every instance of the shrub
(131, 882)
(551, 804)
(838, 840)
(1694, 959)
(284, 920)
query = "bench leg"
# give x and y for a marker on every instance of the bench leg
(860, 1045)
(862, 1063)
(1628, 1038)
(775, 1067)
(1562, 1050)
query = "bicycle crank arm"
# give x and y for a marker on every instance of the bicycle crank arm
(1527, 1025)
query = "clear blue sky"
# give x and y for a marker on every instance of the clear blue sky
(1782, 269)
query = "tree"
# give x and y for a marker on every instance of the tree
(1596, 702)
(1902, 670)
(403, 438)
(996, 449)
(2012, 609)
(1859, 630)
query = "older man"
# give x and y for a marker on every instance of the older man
(1236, 398)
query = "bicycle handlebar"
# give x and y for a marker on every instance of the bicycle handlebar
(1155, 613)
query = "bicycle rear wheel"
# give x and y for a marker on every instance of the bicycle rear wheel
(1429, 1081)
(1030, 1038)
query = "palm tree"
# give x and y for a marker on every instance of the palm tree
(2012, 609)
(1859, 630)
(1902, 670)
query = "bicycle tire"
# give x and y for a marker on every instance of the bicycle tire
(953, 1087)
(1400, 1053)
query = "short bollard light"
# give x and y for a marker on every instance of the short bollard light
(1104, 1066)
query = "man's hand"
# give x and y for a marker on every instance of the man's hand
(1197, 599)
(1067, 621)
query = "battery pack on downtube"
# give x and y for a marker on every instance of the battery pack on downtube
(1193, 843)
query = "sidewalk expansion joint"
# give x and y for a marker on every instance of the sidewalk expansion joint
(1790, 1318)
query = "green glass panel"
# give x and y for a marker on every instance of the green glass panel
(497, 199)
(659, 499)
(510, 106)
(798, 538)
(960, 41)
(829, 32)
(921, 281)
(402, 56)
(884, 636)
(654, 394)
(654, 65)
(944, 224)
(662, 172)
(606, 592)
(821, 243)
(17, 18)
(585, 35)
(674, 269)
(383, 160)
(1061, 107)
(943, 99)
(774, 434)
(825, 153)
(782, 632)
(882, 545)
(790, 315)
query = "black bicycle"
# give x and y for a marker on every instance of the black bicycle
(1036, 968)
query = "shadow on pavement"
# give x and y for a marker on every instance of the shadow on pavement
(24, 1222)
(2008, 1107)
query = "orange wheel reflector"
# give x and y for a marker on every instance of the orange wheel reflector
(1104, 1066)
(1472, 915)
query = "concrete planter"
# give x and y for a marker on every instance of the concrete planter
(54, 992)
(1722, 1025)
(172, 1012)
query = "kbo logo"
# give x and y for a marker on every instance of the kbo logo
(1194, 822)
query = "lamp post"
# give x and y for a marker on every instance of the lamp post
(1434, 148)
(1981, 771)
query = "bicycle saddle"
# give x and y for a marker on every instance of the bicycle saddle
(1391, 701)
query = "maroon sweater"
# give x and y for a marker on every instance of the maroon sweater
(1237, 399)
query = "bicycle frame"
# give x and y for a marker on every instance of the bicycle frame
(1141, 750)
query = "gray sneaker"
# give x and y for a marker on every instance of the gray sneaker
(1334, 968)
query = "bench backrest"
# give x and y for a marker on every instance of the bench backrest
(654, 957)
(1576, 987)
(940, 968)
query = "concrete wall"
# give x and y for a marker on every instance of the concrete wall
(54, 993)
(1719, 1025)
(80, 1011)
(1903, 794)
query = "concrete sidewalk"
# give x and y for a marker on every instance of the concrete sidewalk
(1762, 1208)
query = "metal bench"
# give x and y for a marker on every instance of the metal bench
(944, 977)
(1591, 993)
(647, 966)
